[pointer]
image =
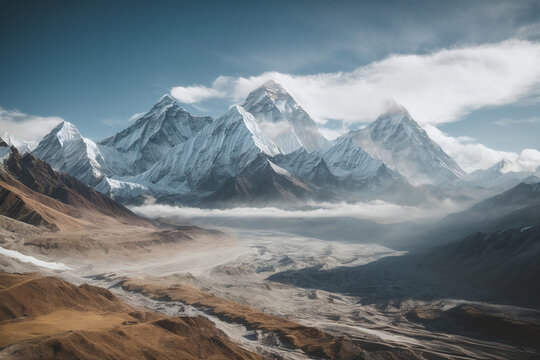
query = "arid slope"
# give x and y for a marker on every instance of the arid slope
(48, 318)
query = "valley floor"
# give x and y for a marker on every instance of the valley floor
(236, 273)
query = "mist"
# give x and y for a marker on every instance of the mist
(377, 210)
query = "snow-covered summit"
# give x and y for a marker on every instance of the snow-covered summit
(65, 132)
(282, 119)
(398, 140)
(155, 133)
(505, 166)
(501, 176)
(65, 149)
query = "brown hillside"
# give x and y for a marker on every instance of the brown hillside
(312, 341)
(48, 318)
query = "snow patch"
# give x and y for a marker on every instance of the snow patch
(30, 259)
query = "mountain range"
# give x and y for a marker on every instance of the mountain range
(266, 150)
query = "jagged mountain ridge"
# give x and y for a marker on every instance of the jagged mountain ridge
(155, 133)
(221, 151)
(174, 156)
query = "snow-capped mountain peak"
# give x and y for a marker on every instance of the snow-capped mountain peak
(282, 119)
(220, 151)
(65, 132)
(65, 149)
(393, 121)
(155, 133)
(397, 139)
(501, 176)
(166, 99)
(505, 166)
(271, 84)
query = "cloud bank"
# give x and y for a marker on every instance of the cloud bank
(379, 211)
(471, 156)
(27, 127)
(436, 88)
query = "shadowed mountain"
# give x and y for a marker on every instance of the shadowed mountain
(515, 208)
(499, 267)
(260, 182)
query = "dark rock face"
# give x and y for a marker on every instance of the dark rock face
(259, 182)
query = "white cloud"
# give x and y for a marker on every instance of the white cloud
(27, 127)
(331, 134)
(436, 88)
(506, 122)
(471, 156)
(529, 160)
(195, 94)
(274, 130)
(377, 210)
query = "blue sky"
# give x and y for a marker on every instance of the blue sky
(96, 63)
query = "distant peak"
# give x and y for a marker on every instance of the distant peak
(272, 85)
(394, 115)
(394, 108)
(531, 180)
(270, 90)
(505, 166)
(504, 162)
(166, 100)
